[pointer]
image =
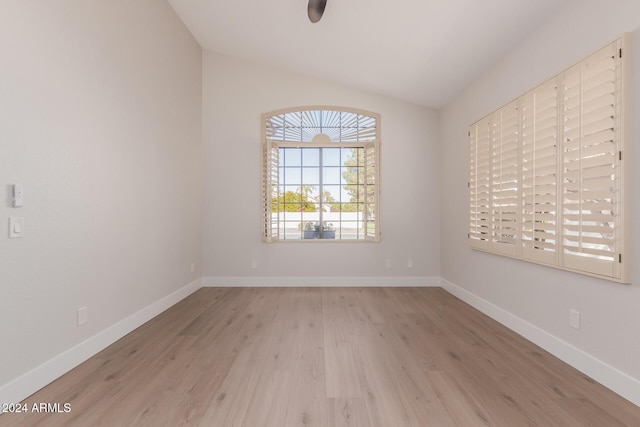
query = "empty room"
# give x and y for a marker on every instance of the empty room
(319, 213)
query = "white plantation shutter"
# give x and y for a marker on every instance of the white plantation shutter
(270, 191)
(539, 190)
(504, 180)
(372, 188)
(547, 179)
(590, 164)
(479, 184)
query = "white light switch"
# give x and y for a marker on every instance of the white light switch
(16, 227)
(18, 195)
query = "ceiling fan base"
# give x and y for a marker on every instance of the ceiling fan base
(315, 10)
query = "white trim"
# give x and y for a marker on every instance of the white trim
(607, 375)
(321, 281)
(32, 381)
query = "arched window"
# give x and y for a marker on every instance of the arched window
(321, 175)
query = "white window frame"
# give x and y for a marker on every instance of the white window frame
(562, 198)
(368, 140)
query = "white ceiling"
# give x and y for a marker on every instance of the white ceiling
(421, 51)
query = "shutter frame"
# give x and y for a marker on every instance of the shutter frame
(539, 174)
(589, 157)
(480, 184)
(504, 180)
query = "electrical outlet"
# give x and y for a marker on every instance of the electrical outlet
(82, 316)
(193, 267)
(387, 264)
(254, 263)
(574, 319)
(409, 263)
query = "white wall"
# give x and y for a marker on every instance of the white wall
(539, 295)
(100, 120)
(236, 93)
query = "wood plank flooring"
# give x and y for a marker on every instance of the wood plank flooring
(375, 357)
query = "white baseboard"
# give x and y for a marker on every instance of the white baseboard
(612, 378)
(32, 381)
(320, 281)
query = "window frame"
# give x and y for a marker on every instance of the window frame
(271, 166)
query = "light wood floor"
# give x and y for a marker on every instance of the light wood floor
(388, 357)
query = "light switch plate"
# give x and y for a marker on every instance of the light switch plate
(82, 315)
(574, 319)
(18, 195)
(16, 227)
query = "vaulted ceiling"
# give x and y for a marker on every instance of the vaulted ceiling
(421, 51)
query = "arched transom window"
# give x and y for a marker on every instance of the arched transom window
(321, 175)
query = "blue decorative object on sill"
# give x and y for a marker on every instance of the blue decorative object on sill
(312, 231)
(311, 234)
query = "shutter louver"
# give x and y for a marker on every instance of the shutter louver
(270, 192)
(479, 184)
(504, 179)
(539, 173)
(591, 179)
